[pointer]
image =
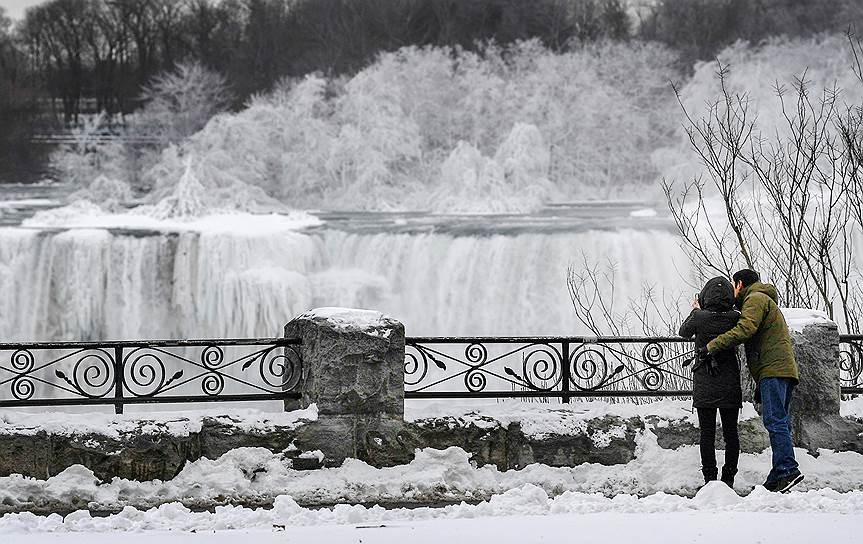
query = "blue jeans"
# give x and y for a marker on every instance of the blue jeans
(776, 402)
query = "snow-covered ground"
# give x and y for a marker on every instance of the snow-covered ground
(702, 527)
(524, 514)
(256, 475)
(651, 499)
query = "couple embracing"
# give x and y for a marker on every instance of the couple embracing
(718, 328)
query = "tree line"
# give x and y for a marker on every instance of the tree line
(107, 50)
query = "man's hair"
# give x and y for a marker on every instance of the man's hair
(747, 276)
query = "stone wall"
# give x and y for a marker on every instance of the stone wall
(135, 449)
(353, 372)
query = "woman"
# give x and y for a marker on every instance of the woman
(716, 378)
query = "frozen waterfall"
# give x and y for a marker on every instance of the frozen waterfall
(98, 284)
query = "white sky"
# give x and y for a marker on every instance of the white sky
(15, 8)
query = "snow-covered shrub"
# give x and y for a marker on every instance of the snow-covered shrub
(110, 193)
(514, 180)
(86, 158)
(179, 104)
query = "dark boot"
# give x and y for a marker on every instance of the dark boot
(709, 474)
(728, 476)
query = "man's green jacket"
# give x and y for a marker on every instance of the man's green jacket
(762, 328)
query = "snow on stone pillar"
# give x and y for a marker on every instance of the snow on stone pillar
(353, 370)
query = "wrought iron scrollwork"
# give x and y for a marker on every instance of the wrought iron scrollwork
(564, 367)
(653, 356)
(92, 375)
(146, 374)
(149, 371)
(591, 370)
(23, 363)
(417, 364)
(540, 368)
(851, 362)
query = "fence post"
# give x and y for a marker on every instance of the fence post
(118, 379)
(564, 386)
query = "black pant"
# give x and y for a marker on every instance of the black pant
(707, 422)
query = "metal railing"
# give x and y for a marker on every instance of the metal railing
(563, 367)
(182, 371)
(851, 364)
(148, 371)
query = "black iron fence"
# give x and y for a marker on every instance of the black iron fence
(133, 372)
(547, 367)
(851, 364)
(181, 371)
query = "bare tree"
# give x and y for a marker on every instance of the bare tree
(787, 201)
(593, 291)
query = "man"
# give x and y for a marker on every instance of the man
(770, 358)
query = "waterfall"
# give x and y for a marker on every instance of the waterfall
(88, 284)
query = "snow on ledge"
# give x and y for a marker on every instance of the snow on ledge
(800, 318)
(179, 424)
(540, 419)
(349, 318)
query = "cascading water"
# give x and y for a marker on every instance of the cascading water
(97, 284)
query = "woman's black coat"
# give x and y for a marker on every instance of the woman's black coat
(716, 316)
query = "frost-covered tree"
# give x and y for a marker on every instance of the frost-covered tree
(179, 102)
(391, 136)
(757, 70)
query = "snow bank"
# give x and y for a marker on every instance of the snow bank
(525, 500)
(799, 318)
(172, 423)
(256, 475)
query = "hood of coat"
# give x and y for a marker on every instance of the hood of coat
(758, 287)
(717, 295)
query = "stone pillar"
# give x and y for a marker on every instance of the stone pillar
(353, 370)
(816, 422)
